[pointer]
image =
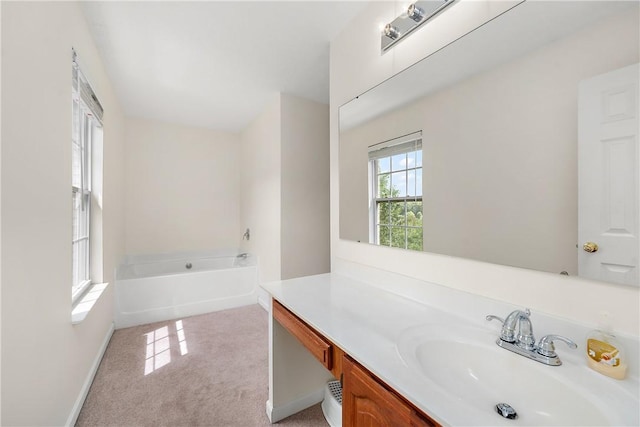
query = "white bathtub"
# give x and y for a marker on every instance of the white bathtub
(154, 288)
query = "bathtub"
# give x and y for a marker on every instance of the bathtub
(152, 288)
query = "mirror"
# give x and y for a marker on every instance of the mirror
(499, 116)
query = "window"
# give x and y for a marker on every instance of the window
(396, 192)
(86, 152)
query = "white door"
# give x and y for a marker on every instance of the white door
(608, 180)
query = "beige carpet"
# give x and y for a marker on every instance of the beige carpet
(208, 370)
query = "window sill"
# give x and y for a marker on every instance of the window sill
(79, 292)
(83, 305)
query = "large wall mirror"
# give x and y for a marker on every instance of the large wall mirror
(516, 145)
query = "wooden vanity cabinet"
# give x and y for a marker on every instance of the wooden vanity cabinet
(366, 401)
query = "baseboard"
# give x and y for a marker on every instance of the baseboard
(293, 407)
(263, 299)
(73, 417)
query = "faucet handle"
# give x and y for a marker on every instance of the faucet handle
(492, 317)
(505, 333)
(546, 347)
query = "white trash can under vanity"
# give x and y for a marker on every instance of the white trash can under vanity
(332, 403)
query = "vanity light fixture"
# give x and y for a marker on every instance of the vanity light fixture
(391, 31)
(415, 12)
(415, 15)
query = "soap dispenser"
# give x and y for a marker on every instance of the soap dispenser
(604, 351)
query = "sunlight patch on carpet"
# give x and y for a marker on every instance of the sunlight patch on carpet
(181, 339)
(158, 350)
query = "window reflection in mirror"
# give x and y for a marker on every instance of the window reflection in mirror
(395, 169)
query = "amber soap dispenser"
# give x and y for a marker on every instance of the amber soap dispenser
(604, 352)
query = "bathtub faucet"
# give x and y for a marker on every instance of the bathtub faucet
(246, 235)
(243, 255)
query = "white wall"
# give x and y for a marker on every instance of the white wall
(0, 227)
(46, 360)
(284, 188)
(354, 183)
(513, 163)
(182, 191)
(260, 189)
(356, 65)
(305, 187)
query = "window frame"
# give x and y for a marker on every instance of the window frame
(81, 229)
(413, 145)
(86, 121)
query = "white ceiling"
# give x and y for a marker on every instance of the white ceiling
(215, 64)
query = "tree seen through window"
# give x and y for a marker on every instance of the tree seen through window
(398, 200)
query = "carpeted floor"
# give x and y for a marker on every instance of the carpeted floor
(208, 370)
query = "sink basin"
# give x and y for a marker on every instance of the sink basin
(466, 366)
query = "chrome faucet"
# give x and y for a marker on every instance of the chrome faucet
(525, 338)
(524, 343)
(508, 332)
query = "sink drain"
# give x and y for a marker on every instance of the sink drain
(506, 411)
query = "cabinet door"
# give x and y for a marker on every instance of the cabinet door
(366, 402)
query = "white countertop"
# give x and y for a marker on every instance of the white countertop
(366, 321)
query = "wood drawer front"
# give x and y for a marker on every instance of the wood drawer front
(317, 345)
(366, 401)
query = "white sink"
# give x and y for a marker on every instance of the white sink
(468, 367)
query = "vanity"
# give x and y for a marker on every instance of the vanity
(479, 159)
(365, 397)
(416, 353)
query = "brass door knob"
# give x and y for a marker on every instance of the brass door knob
(590, 247)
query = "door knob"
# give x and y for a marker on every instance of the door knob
(590, 247)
